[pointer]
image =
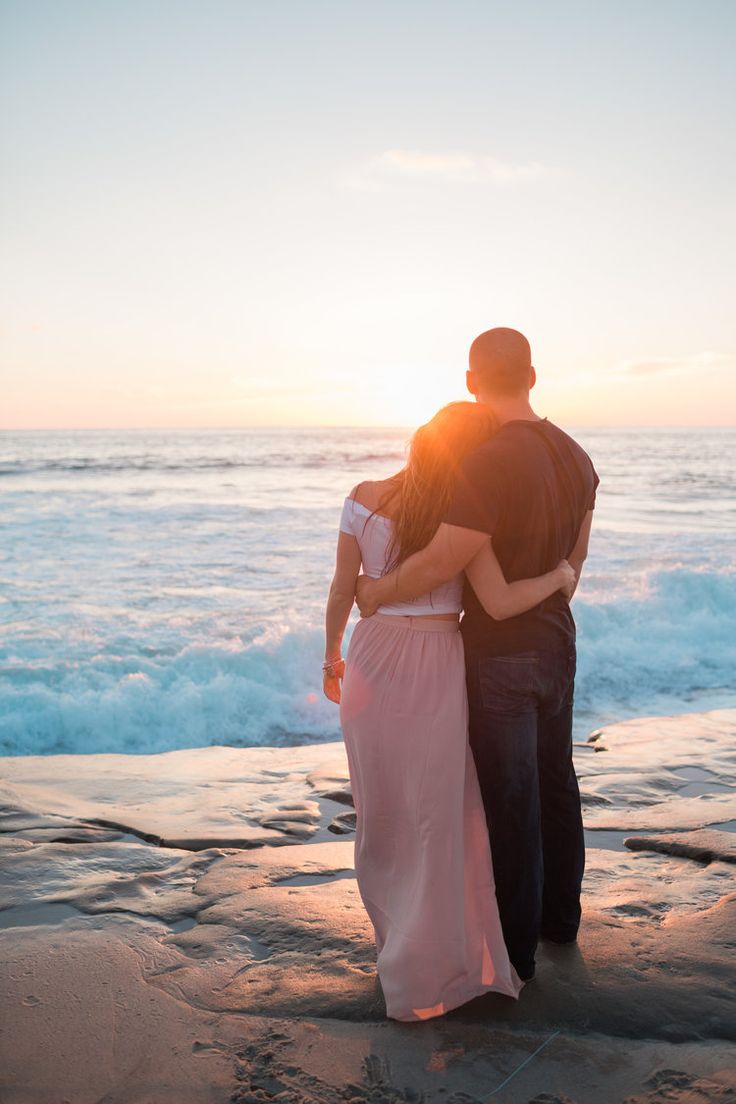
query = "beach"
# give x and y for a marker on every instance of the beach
(251, 255)
(179, 915)
(187, 926)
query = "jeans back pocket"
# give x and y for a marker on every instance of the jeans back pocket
(508, 684)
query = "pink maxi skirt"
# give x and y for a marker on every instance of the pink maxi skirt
(422, 856)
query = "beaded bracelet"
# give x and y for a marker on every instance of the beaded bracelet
(329, 667)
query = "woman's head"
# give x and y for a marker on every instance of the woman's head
(423, 489)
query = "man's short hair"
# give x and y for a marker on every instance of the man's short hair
(501, 360)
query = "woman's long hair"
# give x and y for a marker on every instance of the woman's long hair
(421, 492)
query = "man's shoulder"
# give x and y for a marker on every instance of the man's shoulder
(576, 447)
(581, 459)
(521, 448)
(559, 432)
(512, 441)
(555, 432)
(511, 447)
(503, 452)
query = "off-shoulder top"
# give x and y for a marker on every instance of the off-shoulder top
(373, 534)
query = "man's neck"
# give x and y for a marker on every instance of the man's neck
(510, 409)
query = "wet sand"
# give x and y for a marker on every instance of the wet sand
(187, 927)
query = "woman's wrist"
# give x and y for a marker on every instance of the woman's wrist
(333, 668)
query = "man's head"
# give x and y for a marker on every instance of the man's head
(500, 365)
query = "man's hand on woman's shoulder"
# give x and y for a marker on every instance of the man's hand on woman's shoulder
(365, 595)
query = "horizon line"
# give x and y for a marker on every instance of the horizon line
(334, 425)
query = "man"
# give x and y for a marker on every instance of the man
(531, 488)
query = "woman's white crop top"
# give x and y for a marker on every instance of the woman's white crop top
(373, 534)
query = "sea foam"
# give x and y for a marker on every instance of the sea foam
(669, 651)
(166, 589)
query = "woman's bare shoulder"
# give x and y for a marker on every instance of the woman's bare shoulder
(370, 492)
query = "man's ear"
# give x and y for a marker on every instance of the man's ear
(470, 382)
(532, 377)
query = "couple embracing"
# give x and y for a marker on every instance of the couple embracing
(469, 838)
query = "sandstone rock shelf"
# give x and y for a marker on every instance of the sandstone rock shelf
(187, 927)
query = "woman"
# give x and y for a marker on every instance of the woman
(422, 855)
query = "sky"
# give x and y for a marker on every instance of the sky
(281, 212)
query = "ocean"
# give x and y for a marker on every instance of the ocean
(165, 589)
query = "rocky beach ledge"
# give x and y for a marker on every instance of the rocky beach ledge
(186, 927)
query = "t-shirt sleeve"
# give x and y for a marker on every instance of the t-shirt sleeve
(478, 494)
(596, 481)
(346, 517)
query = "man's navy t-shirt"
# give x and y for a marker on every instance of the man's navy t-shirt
(529, 487)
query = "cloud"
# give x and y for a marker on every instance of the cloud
(396, 164)
(696, 364)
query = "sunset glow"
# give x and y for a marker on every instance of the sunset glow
(293, 214)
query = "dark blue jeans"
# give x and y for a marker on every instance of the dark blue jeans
(521, 738)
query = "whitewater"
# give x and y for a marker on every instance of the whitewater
(165, 589)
